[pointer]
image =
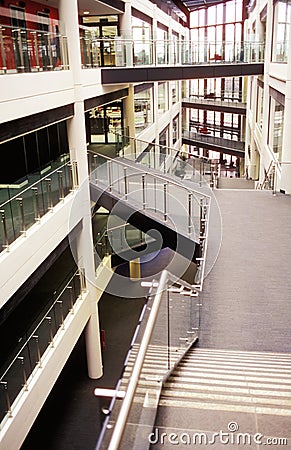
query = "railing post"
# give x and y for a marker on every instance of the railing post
(34, 33)
(8, 403)
(143, 192)
(61, 185)
(70, 289)
(21, 359)
(125, 183)
(189, 212)
(35, 190)
(165, 202)
(4, 67)
(51, 342)
(76, 175)
(20, 200)
(49, 190)
(109, 176)
(6, 245)
(37, 351)
(62, 325)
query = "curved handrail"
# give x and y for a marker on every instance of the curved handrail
(147, 172)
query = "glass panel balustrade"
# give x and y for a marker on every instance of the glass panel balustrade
(29, 50)
(160, 197)
(21, 207)
(122, 52)
(168, 326)
(17, 374)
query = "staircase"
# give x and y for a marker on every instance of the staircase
(226, 380)
(246, 396)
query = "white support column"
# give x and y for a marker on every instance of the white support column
(129, 111)
(68, 10)
(126, 33)
(286, 147)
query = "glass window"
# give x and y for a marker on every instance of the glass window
(281, 24)
(162, 46)
(260, 103)
(141, 35)
(143, 109)
(174, 91)
(162, 98)
(175, 129)
(276, 127)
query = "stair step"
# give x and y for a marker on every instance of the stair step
(224, 407)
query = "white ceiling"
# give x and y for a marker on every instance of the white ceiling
(93, 6)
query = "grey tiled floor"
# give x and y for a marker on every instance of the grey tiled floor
(247, 295)
(246, 306)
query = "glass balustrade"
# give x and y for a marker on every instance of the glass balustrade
(121, 52)
(118, 239)
(160, 197)
(168, 327)
(17, 375)
(30, 50)
(21, 207)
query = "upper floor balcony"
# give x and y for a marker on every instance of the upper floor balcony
(31, 44)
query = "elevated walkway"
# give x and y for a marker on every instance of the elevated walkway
(138, 74)
(226, 146)
(215, 104)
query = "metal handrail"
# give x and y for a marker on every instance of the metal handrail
(172, 149)
(77, 272)
(69, 164)
(162, 178)
(128, 399)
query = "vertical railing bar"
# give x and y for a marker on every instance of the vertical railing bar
(5, 385)
(21, 359)
(165, 202)
(6, 245)
(61, 185)
(37, 350)
(35, 190)
(49, 188)
(20, 200)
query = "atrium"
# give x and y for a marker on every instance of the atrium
(145, 258)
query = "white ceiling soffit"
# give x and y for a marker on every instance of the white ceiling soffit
(94, 7)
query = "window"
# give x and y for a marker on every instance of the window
(143, 109)
(163, 103)
(175, 129)
(276, 127)
(260, 103)
(174, 91)
(281, 24)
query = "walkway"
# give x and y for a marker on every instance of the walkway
(218, 144)
(239, 377)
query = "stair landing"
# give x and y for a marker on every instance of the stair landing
(228, 391)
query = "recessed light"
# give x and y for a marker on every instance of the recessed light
(86, 12)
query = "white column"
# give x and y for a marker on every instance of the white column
(286, 147)
(126, 33)
(129, 111)
(68, 10)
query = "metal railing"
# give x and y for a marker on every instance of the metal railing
(27, 206)
(120, 52)
(168, 327)
(31, 50)
(118, 239)
(169, 160)
(213, 140)
(39, 342)
(161, 197)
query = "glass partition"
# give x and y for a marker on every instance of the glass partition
(16, 376)
(41, 47)
(168, 327)
(21, 207)
(162, 198)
